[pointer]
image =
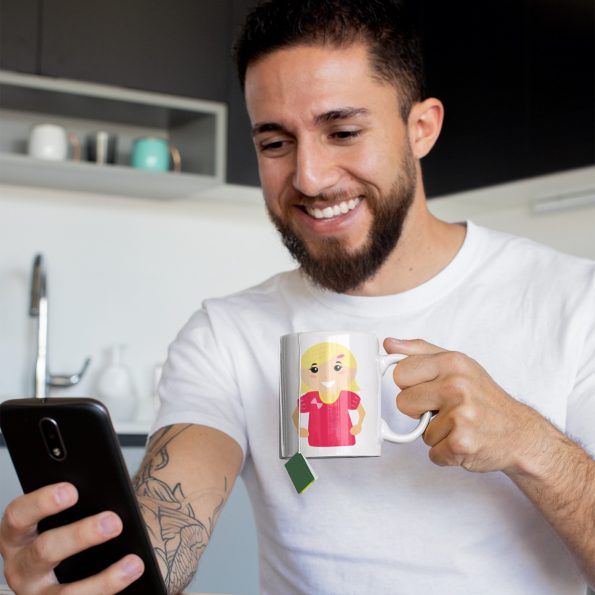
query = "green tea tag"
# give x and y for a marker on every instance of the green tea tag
(300, 472)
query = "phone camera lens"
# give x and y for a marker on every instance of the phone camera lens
(52, 438)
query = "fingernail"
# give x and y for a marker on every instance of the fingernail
(132, 567)
(108, 524)
(64, 494)
(396, 341)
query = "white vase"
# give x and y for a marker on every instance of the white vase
(116, 388)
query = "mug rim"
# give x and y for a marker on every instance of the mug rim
(336, 332)
(48, 125)
(141, 138)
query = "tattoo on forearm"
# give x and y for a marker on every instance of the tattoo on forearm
(178, 536)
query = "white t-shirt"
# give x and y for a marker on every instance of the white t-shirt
(398, 523)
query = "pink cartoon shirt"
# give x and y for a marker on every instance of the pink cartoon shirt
(329, 424)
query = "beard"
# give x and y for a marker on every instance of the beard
(341, 270)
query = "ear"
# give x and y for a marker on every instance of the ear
(424, 124)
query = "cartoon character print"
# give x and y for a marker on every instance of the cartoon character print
(328, 388)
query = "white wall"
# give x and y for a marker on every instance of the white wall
(132, 271)
(120, 270)
(508, 207)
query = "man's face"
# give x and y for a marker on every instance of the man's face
(335, 163)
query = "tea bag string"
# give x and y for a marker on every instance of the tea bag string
(299, 403)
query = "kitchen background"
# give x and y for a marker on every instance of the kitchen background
(131, 254)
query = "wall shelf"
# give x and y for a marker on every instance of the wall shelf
(197, 128)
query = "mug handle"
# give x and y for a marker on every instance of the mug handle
(385, 432)
(74, 141)
(176, 158)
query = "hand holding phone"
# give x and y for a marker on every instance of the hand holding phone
(30, 558)
(87, 529)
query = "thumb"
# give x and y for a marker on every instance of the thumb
(410, 346)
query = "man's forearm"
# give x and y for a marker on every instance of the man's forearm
(559, 478)
(179, 524)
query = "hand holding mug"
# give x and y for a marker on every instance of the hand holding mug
(478, 426)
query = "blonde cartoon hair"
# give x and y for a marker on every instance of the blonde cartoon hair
(321, 353)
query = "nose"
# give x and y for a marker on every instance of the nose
(315, 169)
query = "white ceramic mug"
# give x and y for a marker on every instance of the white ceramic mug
(330, 396)
(51, 142)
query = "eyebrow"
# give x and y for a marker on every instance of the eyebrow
(341, 114)
(337, 114)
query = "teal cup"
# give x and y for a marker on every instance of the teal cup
(155, 154)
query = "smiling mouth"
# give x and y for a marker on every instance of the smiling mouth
(334, 211)
(327, 383)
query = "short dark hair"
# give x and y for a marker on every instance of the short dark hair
(384, 25)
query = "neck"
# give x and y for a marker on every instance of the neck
(425, 247)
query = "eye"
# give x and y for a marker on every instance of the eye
(338, 367)
(314, 369)
(274, 147)
(346, 134)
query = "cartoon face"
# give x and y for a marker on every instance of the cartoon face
(328, 376)
(328, 368)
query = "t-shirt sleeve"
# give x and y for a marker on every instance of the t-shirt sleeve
(198, 383)
(580, 421)
(304, 401)
(354, 400)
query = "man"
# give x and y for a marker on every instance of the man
(340, 123)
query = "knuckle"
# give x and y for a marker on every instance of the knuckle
(456, 385)
(436, 457)
(456, 362)
(460, 443)
(418, 343)
(74, 589)
(81, 532)
(404, 402)
(427, 438)
(468, 416)
(415, 363)
(111, 580)
(3, 546)
(40, 549)
(11, 517)
(11, 575)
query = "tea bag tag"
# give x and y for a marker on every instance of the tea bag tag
(300, 472)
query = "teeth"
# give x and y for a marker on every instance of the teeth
(329, 212)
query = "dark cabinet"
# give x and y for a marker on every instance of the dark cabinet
(241, 156)
(177, 47)
(517, 77)
(19, 35)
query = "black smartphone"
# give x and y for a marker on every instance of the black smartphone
(72, 439)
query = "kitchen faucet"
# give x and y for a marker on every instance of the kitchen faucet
(39, 310)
